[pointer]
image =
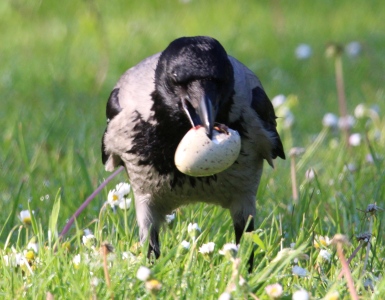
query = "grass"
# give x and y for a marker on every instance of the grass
(58, 64)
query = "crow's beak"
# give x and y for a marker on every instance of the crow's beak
(200, 107)
(206, 115)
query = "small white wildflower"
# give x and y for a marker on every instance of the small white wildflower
(94, 281)
(123, 188)
(14, 259)
(330, 120)
(185, 245)
(297, 270)
(193, 230)
(334, 295)
(25, 217)
(346, 122)
(369, 158)
(170, 218)
(303, 51)
(33, 246)
(324, 255)
(125, 203)
(113, 198)
(128, 256)
(355, 139)
(278, 100)
(288, 117)
(321, 241)
(301, 295)
(88, 238)
(225, 296)
(353, 49)
(274, 291)
(360, 111)
(229, 250)
(143, 273)
(207, 248)
(310, 174)
(351, 167)
(76, 260)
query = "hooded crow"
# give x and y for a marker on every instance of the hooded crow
(192, 82)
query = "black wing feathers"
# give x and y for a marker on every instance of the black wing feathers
(262, 105)
(113, 108)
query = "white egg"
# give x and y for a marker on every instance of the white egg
(198, 156)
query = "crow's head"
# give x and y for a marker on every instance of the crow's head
(194, 75)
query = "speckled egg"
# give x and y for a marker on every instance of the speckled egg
(199, 156)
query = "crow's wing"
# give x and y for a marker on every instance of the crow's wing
(250, 95)
(129, 102)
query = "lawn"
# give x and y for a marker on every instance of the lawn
(60, 61)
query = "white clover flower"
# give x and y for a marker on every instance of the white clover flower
(113, 198)
(170, 218)
(185, 245)
(303, 51)
(330, 120)
(278, 100)
(297, 270)
(274, 291)
(355, 139)
(324, 255)
(301, 295)
(346, 122)
(207, 248)
(125, 203)
(353, 49)
(225, 296)
(143, 273)
(25, 217)
(123, 188)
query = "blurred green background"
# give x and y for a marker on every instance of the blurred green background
(60, 60)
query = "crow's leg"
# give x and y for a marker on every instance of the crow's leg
(149, 221)
(243, 221)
